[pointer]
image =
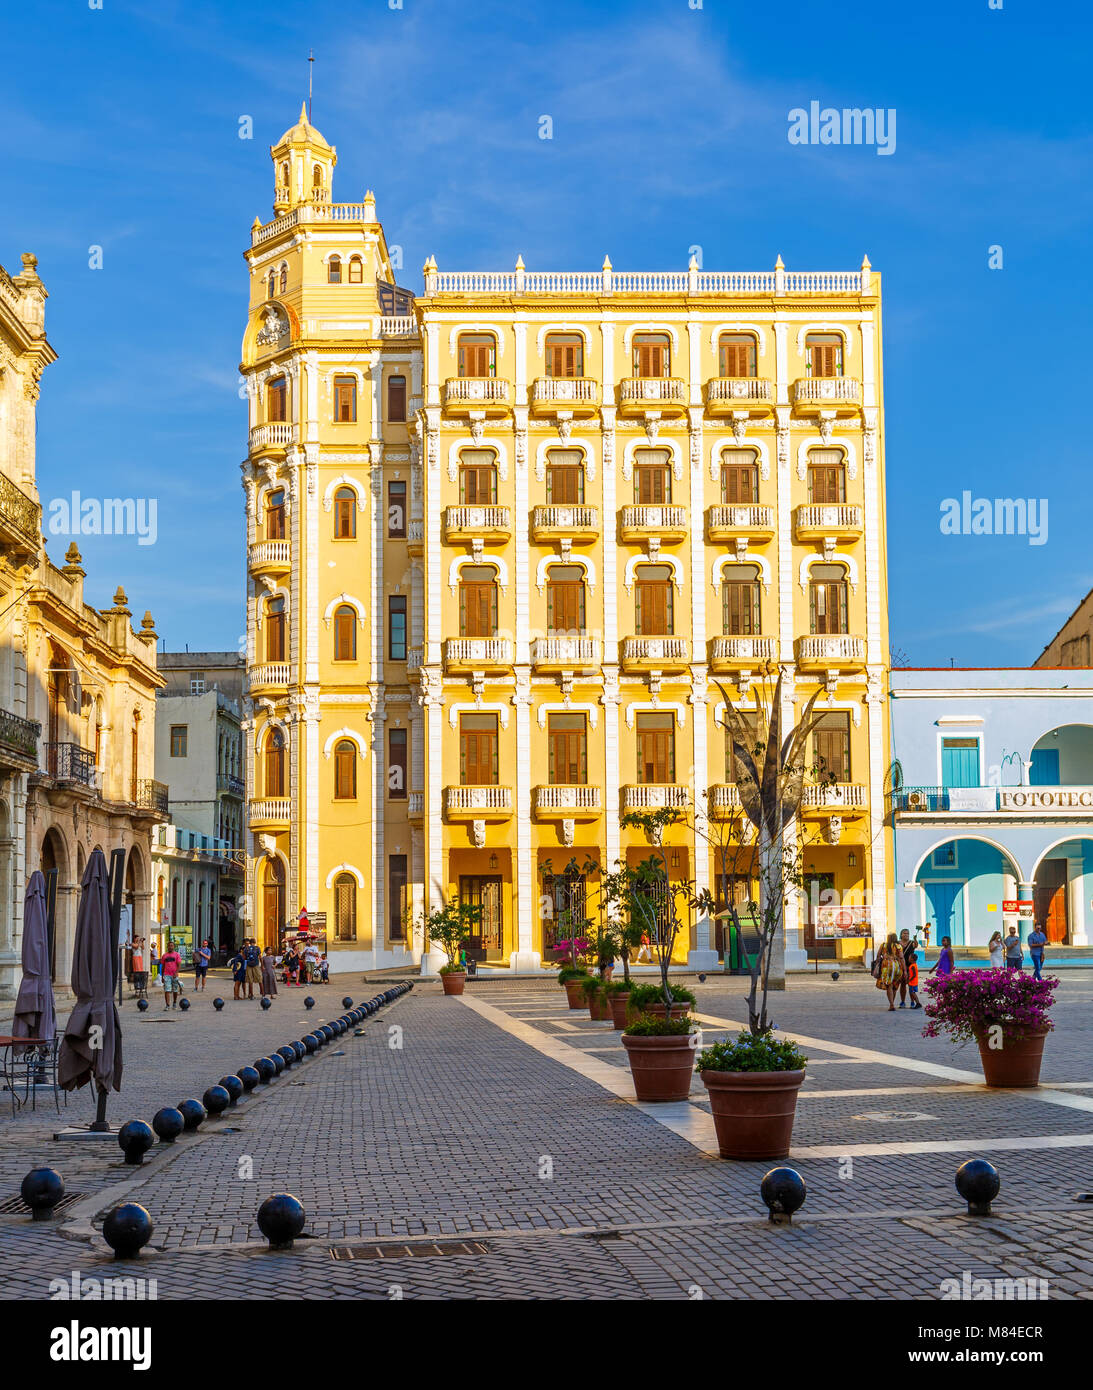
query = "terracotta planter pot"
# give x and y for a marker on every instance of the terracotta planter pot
(574, 993)
(1016, 1062)
(679, 1010)
(453, 982)
(753, 1111)
(661, 1067)
(620, 1009)
(599, 1010)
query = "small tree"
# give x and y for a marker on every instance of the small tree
(572, 914)
(448, 925)
(650, 894)
(620, 915)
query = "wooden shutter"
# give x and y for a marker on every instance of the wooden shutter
(826, 476)
(831, 747)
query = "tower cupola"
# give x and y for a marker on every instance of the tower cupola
(303, 166)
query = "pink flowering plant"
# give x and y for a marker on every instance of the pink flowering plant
(970, 1002)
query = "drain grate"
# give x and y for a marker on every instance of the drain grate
(15, 1206)
(419, 1250)
(882, 1117)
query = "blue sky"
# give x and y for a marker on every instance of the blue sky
(670, 128)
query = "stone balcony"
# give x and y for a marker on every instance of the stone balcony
(567, 801)
(272, 438)
(20, 522)
(18, 742)
(574, 396)
(566, 653)
(669, 524)
(471, 523)
(478, 653)
(663, 395)
(268, 676)
(655, 796)
(741, 520)
(487, 803)
(833, 798)
(832, 396)
(572, 521)
(815, 521)
(655, 653)
(269, 557)
(269, 813)
(729, 654)
(723, 801)
(487, 395)
(740, 397)
(833, 651)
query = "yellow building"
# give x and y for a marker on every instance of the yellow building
(77, 685)
(502, 539)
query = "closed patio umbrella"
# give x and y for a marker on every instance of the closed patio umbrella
(34, 1011)
(91, 1048)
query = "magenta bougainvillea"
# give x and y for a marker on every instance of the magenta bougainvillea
(969, 1002)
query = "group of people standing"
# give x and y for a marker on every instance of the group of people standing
(1010, 953)
(895, 966)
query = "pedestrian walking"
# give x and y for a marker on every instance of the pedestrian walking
(140, 972)
(997, 951)
(324, 969)
(153, 960)
(1015, 955)
(269, 972)
(202, 956)
(253, 958)
(238, 967)
(1037, 940)
(169, 966)
(946, 961)
(909, 983)
(891, 969)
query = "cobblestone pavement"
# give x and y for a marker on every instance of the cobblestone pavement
(446, 1120)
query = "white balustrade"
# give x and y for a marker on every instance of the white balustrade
(667, 649)
(667, 390)
(741, 649)
(654, 518)
(565, 390)
(829, 516)
(478, 798)
(742, 516)
(654, 797)
(814, 390)
(477, 519)
(567, 797)
(398, 326)
(738, 388)
(269, 553)
(269, 673)
(568, 518)
(471, 389)
(833, 649)
(277, 433)
(478, 651)
(566, 650)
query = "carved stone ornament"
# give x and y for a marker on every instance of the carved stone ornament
(275, 326)
(567, 832)
(565, 428)
(739, 426)
(834, 830)
(478, 427)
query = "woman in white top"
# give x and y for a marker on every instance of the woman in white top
(997, 951)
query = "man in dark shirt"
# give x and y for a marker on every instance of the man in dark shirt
(238, 967)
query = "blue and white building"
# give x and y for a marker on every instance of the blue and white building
(990, 798)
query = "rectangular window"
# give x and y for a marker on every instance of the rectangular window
(826, 476)
(740, 603)
(197, 684)
(831, 747)
(827, 599)
(564, 477)
(477, 355)
(653, 602)
(737, 356)
(825, 354)
(960, 762)
(396, 511)
(652, 354)
(477, 478)
(396, 399)
(396, 764)
(565, 355)
(567, 741)
(739, 482)
(478, 601)
(345, 399)
(396, 627)
(277, 400)
(396, 897)
(751, 739)
(179, 735)
(652, 477)
(565, 599)
(478, 750)
(656, 749)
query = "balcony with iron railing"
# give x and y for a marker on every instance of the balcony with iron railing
(745, 519)
(567, 801)
(489, 394)
(655, 796)
(741, 653)
(572, 395)
(841, 520)
(831, 395)
(477, 653)
(227, 784)
(831, 651)
(669, 524)
(1068, 801)
(70, 762)
(478, 803)
(273, 437)
(477, 523)
(148, 795)
(743, 396)
(655, 653)
(574, 521)
(664, 394)
(18, 740)
(20, 520)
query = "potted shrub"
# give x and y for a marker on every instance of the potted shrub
(753, 1083)
(595, 997)
(574, 978)
(618, 1001)
(1006, 1012)
(661, 1055)
(448, 926)
(649, 999)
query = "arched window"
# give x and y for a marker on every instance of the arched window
(345, 907)
(345, 514)
(739, 477)
(189, 902)
(273, 901)
(477, 354)
(345, 633)
(477, 477)
(652, 355)
(827, 599)
(653, 601)
(334, 270)
(564, 477)
(284, 278)
(200, 924)
(736, 354)
(564, 354)
(652, 477)
(824, 354)
(134, 756)
(277, 399)
(275, 629)
(284, 181)
(740, 601)
(478, 601)
(275, 764)
(345, 770)
(345, 400)
(317, 180)
(271, 285)
(826, 476)
(275, 515)
(356, 270)
(565, 600)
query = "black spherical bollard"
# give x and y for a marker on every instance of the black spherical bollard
(309, 1003)
(250, 1077)
(216, 1100)
(126, 1229)
(142, 1006)
(310, 1042)
(299, 1049)
(281, 1219)
(265, 1069)
(326, 1032)
(233, 1085)
(184, 1004)
(278, 1062)
(168, 1124)
(834, 974)
(265, 1002)
(287, 1055)
(135, 1138)
(783, 1191)
(978, 1182)
(42, 1189)
(347, 1003)
(218, 1004)
(193, 1113)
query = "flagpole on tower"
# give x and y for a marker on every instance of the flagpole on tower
(310, 72)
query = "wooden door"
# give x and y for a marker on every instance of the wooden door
(1049, 899)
